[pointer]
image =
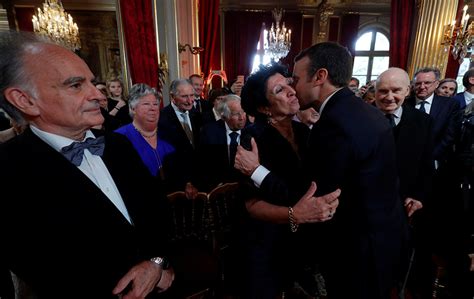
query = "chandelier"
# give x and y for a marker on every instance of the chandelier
(278, 41)
(459, 38)
(56, 24)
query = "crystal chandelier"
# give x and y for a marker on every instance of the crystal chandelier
(56, 24)
(459, 38)
(278, 41)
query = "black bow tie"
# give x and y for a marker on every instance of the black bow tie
(75, 151)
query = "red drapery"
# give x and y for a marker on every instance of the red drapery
(242, 30)
(348, 37)
(140, 40)
(452, 68)
(209, 37)
(293, 21)
(24, 16)
(401, 22)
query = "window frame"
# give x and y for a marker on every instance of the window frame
(371, 53)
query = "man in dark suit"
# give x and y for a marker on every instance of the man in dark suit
(218, 144)
(465, 98)
(180, 125)
(200, 104)
(444, 207)
(414, 146)
(351, 147)
(443, 110)
(76, 219)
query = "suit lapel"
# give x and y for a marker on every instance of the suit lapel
(435, 107)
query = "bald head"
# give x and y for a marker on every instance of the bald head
(391, 89)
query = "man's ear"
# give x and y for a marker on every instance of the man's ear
(21, 100)
(320, 76)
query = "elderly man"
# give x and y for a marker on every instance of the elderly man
(218, 143)
(412, 130)
(180, 125)
(79, 224)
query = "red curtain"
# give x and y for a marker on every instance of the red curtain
(401, 22)
(140, 40)
(24, 16)
(293, 21)
(242, 30)
(209, 37)
(452, 68)
(348, 37)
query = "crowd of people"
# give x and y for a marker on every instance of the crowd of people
(346, 191)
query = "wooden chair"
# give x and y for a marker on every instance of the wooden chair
(223, 212)
(192, 255)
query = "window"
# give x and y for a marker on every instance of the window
(260, 57)
(464, 67)
(371, 57)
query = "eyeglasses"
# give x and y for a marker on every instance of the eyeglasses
(426, 83)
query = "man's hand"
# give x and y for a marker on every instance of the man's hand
(412, 205)
(310, 209)
(247, 161)
(143, 278)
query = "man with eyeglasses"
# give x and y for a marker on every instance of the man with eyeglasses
(444, 207)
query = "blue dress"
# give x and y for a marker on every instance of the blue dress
(152, 158)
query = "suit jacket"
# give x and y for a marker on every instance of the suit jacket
(352, 147)
(214, 165)
(62, 234)
(447, 122)
(459, 97)
(170, 129)
(414, 143)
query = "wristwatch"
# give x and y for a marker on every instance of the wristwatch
(161, 261)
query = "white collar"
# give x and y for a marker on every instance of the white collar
(57, 141)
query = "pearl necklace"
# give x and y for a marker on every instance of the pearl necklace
(143, 134)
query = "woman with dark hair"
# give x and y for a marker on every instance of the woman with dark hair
(273, 235)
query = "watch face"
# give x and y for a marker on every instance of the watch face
(163, 262)
(157, 260)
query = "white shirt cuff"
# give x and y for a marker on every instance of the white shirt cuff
(259, 175)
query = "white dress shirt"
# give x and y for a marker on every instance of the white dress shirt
(92, 166)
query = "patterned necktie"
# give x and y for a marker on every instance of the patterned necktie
(75, 151)
(391, 119)
(422, 106)
(233, 147)
(186, 127)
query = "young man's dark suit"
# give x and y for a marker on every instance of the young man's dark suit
(170, 129)
(214, 165)
(63, 236)
(352, 147)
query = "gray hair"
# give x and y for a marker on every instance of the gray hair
(14, 46)
(178, 82)
(435, 70)
(137, 92)
(223, 107)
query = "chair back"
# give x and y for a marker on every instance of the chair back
(222, 204)
(190, 216)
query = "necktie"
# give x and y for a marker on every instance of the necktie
(422, 106)
(186, 127)
(233, 147)
(391, 119)
(198, 104)
(75, 151)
